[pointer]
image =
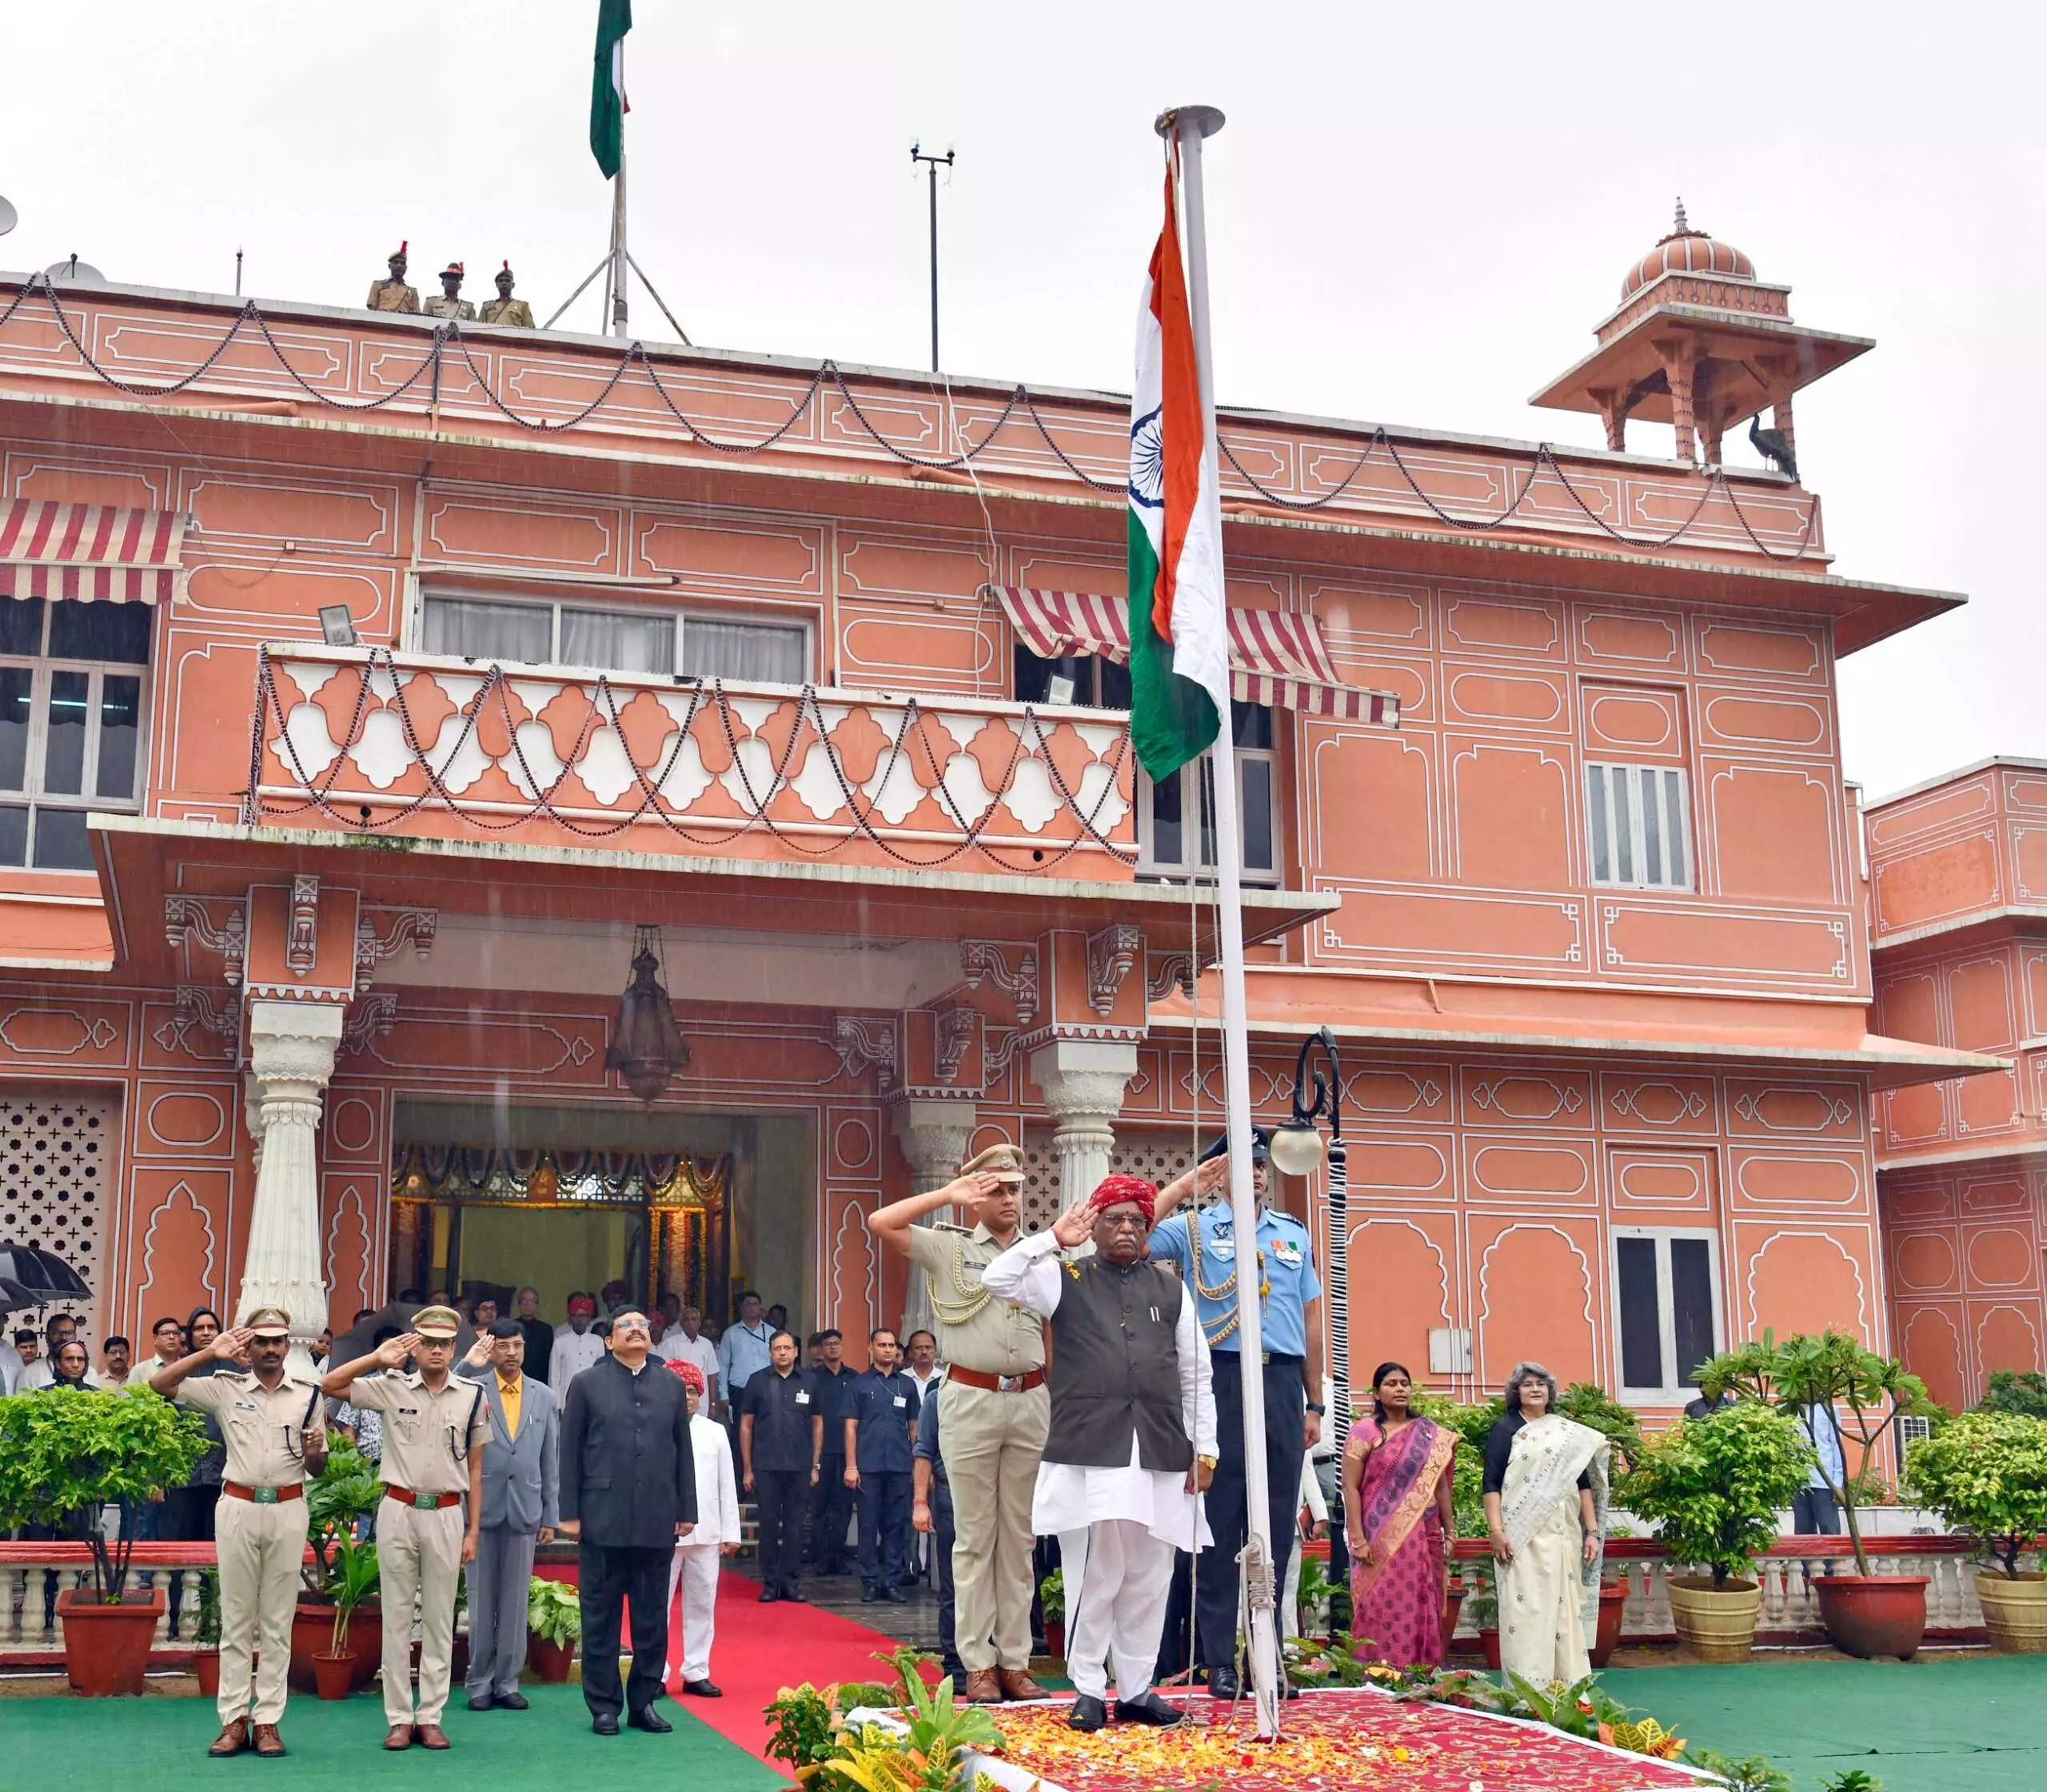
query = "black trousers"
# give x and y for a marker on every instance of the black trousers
(830, 1511)
(780, 1496)
(610, 1577)
(1816, 1513)
(884, 1528)
(941, 1552)
(1286, 1408)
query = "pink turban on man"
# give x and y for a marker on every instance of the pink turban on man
(1113, 1192)
(691, 1377)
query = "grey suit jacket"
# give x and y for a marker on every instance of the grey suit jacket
(521, 1475)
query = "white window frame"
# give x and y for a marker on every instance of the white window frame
(43, 667)
(1673, 1392)
(1149, 864)
(680, 615)
(1630, 790)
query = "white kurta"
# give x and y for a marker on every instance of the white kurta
(696, 1561)
(573, 1352)
(1069, 1497)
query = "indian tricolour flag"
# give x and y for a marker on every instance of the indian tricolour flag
(608, 107)
(1180, 655)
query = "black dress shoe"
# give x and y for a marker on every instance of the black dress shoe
(870, 1595)
(482, 1704)
(651, 1720)
(1088, 1714)
(792, 1595)
(895, 1595)
(510, 1701)
(605, 1723)
(1150, 1708)
(701, 1689)
(1222, 1683)
(768, 1595)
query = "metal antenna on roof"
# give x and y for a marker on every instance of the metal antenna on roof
(933, 163)
(237, 273)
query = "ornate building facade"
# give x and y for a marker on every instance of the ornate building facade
(372, 691)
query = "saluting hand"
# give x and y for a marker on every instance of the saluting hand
(232, 1344)
(394, 1350)
(479, 1352)
(1075, 1227)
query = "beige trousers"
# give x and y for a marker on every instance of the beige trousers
(419, 1554)
(259, 1549)
(992, 1443)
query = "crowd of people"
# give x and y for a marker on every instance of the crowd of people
(1076, 1403)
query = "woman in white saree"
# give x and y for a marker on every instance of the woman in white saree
(1545, 1490)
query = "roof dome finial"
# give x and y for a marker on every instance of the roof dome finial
(1681, 227)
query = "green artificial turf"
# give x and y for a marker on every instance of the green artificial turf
(160, 1744)
(1968, 1723)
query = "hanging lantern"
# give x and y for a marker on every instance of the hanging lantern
(647, 1048)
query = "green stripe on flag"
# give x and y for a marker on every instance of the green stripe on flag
(607, 102)
(1172, 720)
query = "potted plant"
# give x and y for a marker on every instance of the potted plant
(206, 1635)
(1051, 1602)
(1714, 1487)
(1822, 1374)
(554, 1625)
(354, 1574)
(338, 1499)
(65, 1454)
(1985, 1473)
(1311, 1591)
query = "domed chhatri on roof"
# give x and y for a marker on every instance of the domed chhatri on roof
(1699, 342)
(1686, 251)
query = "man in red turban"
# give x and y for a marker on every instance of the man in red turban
(694, 1567)
(1132, 1442)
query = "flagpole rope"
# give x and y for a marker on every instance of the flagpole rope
(448, 338)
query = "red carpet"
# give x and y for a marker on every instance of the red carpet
(759, 1650)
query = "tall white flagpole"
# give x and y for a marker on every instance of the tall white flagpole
(1192, 124)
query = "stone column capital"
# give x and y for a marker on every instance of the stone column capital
(293, 1042)
(1083, 1079)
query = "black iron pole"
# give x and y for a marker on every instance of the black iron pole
(932, 164)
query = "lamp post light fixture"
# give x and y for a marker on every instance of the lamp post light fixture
(647, 1049)
(1299, 1149)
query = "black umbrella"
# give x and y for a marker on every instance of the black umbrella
(30, 1267)
(360, 1340)
(13, 1295)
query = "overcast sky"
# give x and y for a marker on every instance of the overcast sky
(1415, 217)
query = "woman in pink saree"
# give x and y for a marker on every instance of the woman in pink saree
(1397, 1513)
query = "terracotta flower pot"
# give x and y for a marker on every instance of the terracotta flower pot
(333, 1676)
(366, 1641)
(1716, 1624)
(2016, 1612)
(206, 1670)
(106, 1648)
(312, 1631)
(1490, 1641)
(1055, 1638)
(550, 1662)
(1873, 1614)
(1453, 1602)
(1612, 1608)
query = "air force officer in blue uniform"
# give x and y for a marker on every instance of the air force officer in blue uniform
(1281, 1259)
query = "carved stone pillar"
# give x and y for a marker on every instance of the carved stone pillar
(1680, 360)
(933, 1135)
(291, 1048)
(1084, 1081)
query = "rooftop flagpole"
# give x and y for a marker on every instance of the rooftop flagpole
(1190, 125)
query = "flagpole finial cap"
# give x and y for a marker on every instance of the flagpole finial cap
(1205, 120)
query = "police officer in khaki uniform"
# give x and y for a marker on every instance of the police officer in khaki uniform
(393, 294)
(275, 1426)
(504, 309)
(435, 1428)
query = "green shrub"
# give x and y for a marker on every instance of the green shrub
(1714, 1487)
(1985, 1473)
(2020, 1390)
(66, 1453)
(554, 1611)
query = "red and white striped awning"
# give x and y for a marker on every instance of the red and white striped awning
(1274, 657)
(88, 553)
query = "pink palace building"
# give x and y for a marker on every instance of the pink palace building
(373, 695)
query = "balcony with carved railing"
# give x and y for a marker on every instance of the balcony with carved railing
(366, 741)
